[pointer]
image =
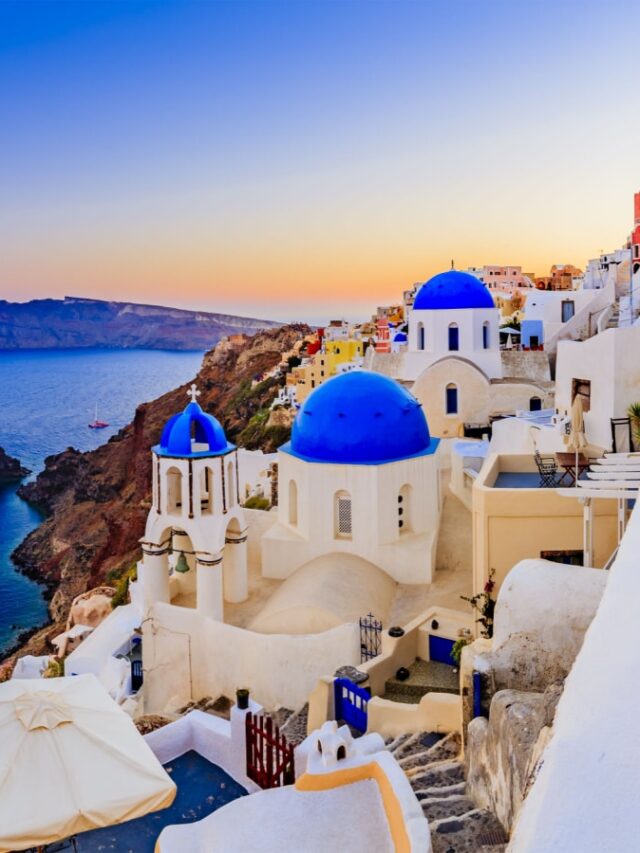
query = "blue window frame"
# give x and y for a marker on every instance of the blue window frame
(454, 339)
(452, 400)
(485, 336)
(420, 336)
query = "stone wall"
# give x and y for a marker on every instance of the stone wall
(502, 751)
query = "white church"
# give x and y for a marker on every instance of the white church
(357, 516)
(453, 362)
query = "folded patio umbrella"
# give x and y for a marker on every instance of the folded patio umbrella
(71, 760)
(576, 440)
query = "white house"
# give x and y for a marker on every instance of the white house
(546, 311)
(605, 371)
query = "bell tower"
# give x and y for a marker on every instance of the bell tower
(195, 539)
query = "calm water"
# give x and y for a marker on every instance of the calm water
(47, 398)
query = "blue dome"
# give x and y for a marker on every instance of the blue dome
(453, 289)
(193, 423)
(360, 418)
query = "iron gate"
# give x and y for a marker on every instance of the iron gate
(370, 637)
(351, 703)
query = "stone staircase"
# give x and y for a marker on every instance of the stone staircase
(436, 773)
(614, 319)
(294, 726)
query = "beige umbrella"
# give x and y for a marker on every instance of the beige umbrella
(576, 440)
(71, 760)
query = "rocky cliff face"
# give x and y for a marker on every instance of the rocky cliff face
(73, 323)
(10, 469)
(98, 501)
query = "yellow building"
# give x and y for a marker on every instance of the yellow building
(323, 365)
(514, 519)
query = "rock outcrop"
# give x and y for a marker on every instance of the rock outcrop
(98, 501)
(11, 471)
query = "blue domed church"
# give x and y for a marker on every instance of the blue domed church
(360, 475)
(453, 362)
(453, 315)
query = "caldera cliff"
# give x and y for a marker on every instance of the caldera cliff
(97, 502)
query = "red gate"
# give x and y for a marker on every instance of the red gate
(269, 753)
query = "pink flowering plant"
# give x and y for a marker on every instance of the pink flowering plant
(484, 604)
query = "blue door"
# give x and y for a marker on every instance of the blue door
(440, 649)
(351, 703)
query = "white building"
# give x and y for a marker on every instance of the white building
(605, 371)
(506, 279)
(359, 476)
(546, 311)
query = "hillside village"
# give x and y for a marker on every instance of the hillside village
(374, 581)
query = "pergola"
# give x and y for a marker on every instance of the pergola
(615, 476)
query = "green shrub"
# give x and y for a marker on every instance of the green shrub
(122, 587)
(256, 502)
(456, 651)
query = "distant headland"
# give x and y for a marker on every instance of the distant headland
(75, 322)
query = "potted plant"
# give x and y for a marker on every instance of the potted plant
(242, 698)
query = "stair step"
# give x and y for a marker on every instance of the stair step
(424, 677)
(438, 808)
(467, 833)
(295, 728)
(458, 788)
(436, 775)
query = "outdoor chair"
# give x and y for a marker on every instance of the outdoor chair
(547, 469)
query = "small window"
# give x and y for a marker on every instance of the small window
(420, 336)
(569, 558)
(343, 515)
(293, 503)
(454, 338)
(535, 404)
(485, 336)
(404, 508)
(452, 399)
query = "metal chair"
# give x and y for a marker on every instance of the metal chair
(547, 469)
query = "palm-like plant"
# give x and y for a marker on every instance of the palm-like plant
(634, 415)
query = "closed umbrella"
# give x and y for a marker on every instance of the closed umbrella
(576, 440)
(71, 760)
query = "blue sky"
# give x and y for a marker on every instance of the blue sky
(308, 159)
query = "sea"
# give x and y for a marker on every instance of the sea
(47, 399)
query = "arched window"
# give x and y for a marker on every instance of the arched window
(485, 336)
(404, 508)
(452, 399)
(206, 491)
(231, 485)
(342, 515)
(420, 336)
(454, 337)
(174, 490)
(293, 502)
(535, 404)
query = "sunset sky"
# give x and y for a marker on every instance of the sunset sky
(307, 160)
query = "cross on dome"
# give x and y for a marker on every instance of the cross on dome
(193, 393)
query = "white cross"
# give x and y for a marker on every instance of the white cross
(193, 393)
